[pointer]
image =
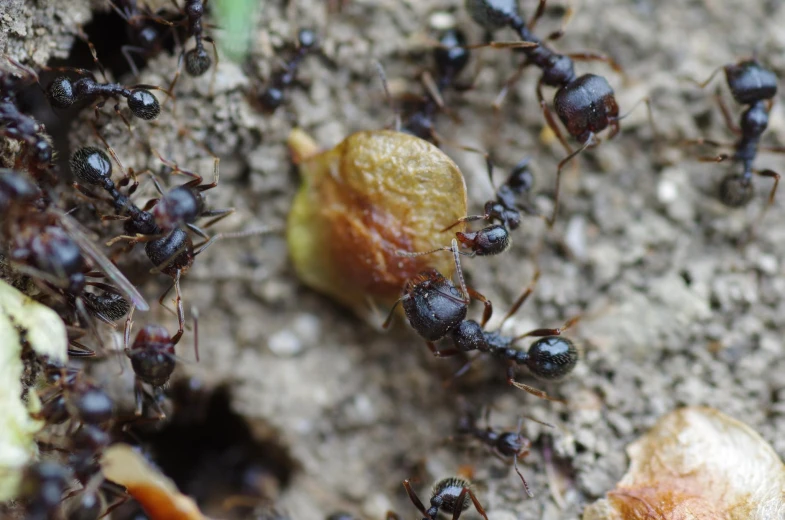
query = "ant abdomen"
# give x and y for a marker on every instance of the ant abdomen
(586, 106)
(749, 82)
(552, 357)
(144, 104)
(433, 305)
(152, 355)
(91, 166)
(736, 190)
(447, 492)
(197, 61)
(175, 248)
(109, 305)
(61, 92)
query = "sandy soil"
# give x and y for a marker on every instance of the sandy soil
(675, 311)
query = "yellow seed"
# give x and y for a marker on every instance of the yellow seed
(374, 193)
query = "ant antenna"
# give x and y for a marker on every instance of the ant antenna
(390, 101)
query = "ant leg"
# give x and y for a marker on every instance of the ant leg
(521, 299)
(126, 51)
(138, 397)
(414, 498)
(716, 159)
(195, 316)
(488, 311)
(508, 84)
(81, 351)
(593, 56)
(703, 84)
(565, 21)
(774, 175)
(179, 305)
(390, 100)
(526, 388)
(197, 179)
(559, 169)
(163, 297)
(550, 332)
(81, 34)
(127, 123)
(387, 322)
(209, 40)
(537, 15)
(447, 352)
(726, 115)
(518, 471)
(477, 505)
(174, 81)
(551, 122)
(470, 218)
(220, 214)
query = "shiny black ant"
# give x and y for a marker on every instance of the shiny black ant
(18, 126)
(753, 85)
(145, 30)
(63, 92)
(451, 495)
(450, 58)
(585, 104)
(153, 358)
(274, 94)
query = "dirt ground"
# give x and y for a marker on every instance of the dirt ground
(676, 310)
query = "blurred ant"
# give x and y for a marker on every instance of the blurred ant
(755, 86)
(449, 495)
(495, 239)
(586, 104)
(62, 92)
(18, 126)
(450, 58)
(144, 30)
(505, 445)
(42, 486)
(53, 248)
(274, 94)
(153, 358)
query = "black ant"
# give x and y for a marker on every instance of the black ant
(495, 239)
(586, 104)
(153, 358)
(753, 85)
(450, 58)
(504, 444)
(19, 126)
(449, 495)
(52, 247)
(274, 94)
(63, 92)
(144, 30)
(42, 486)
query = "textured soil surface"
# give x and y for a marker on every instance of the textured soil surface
(677, 307)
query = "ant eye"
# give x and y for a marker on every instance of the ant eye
(90, 165)
(61, 92)
(197, 62)
(552, 357)
(144, 104)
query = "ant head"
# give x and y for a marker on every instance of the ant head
(16, 188)
(552, 357)
(148, 37)
(110, 305)
(451, 57)
(93, 405)
(61, 92)
(512, 443)
(306, 39)
(152, 355)
(736, 190)
(144, 104)
(90, 166)
(181, 205)
(749, 82)
(197, 61)
(493, 14)
(445, 492)
(194, 9)
(521, 179)
(433, 305)
(468, 335)
(175, 249)
(492, 240)
(586, 106)
(43, 150)
(272, 98)
(44, 483)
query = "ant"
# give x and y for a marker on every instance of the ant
(143, 30)
(19, 126)
(274, 95)
(755, 86)
(153, 358)
(586, 104)
(505, 445)
(62, 92)
(43, 484)
(52, 247)
(450, 57)
(449, 495)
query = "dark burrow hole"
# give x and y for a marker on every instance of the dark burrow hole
(228, 465)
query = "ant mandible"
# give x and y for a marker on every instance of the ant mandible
(449, 495)
(586, 104)
(753, 85)
(274, 95)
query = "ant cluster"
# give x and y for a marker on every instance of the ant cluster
(42, 238)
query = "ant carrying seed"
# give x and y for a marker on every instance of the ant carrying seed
(274, 95)
(586, 104)
(755, 86)
(451, 495)
(153, 358)
(63, 92)
(18, 126)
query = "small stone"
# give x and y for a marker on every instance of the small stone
(285, 343)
